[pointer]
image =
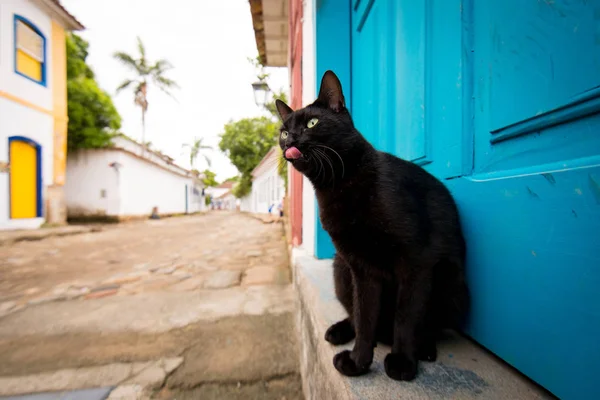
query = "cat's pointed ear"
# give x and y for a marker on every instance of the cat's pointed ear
(283, 109)
(330, 93)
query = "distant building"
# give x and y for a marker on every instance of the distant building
(226, 201)
(268, 187)
(33, 112)
(217, 191)
(127, 180)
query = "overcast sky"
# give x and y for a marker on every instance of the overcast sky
(207, 41)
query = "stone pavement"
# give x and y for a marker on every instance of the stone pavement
(175, 308)
(180, 254)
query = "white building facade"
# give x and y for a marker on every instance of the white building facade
(33, 111)
(129, 181)
(268, 187)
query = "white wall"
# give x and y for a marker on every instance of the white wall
(308, 54)
(309, 83)
(133, 189)
(229, 202)
(18, 120)
(145, 185)
(308, 216)
(246, 204)
(196, 201)
(11, 82)
(92, 186)
(267, 188)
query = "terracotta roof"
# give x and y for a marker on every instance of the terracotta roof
(226, 185)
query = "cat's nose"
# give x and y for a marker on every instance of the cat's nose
(291, 141)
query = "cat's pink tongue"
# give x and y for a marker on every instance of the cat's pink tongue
(293, 153)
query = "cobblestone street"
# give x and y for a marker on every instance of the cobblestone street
(145, 295)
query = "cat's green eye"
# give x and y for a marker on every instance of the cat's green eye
(284, 135)
(312, 122)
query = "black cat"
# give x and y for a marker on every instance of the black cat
(399, 267)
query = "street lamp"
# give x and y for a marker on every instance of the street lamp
(261, 92)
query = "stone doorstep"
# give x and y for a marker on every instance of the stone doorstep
(463, 370)
(145, 376)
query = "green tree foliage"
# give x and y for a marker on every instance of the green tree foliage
(233, 179)
(246, 142)
(93, 118)
(270, 105)
(209, 178)
(243, 187)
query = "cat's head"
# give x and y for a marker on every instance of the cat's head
(319, 139)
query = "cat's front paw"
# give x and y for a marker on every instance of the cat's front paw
(400, 368)
(340, 333)
(344, 363)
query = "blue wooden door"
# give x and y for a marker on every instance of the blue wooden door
(501, 100)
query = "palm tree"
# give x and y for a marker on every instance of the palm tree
(196, 148)
(145, 72)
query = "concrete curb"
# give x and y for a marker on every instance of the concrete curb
(463, 370)
(10, 237)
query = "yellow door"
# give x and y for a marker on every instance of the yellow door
(23, 180)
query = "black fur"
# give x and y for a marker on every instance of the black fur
(399, 267)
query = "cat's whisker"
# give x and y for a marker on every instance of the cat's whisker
(337, 154)
(321, 167)
(315, 156)
(328, 160)
(326, 157)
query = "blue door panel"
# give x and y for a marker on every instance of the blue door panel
(376, 113)
(533, 260)
(535, 78)
(501, 99)
(407, 86)
(533, 56)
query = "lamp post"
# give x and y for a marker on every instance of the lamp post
(261, 93)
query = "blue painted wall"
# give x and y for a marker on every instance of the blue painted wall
(332, 53)
(500, 100)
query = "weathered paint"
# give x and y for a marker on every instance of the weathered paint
(501, 100)
(59, 101)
